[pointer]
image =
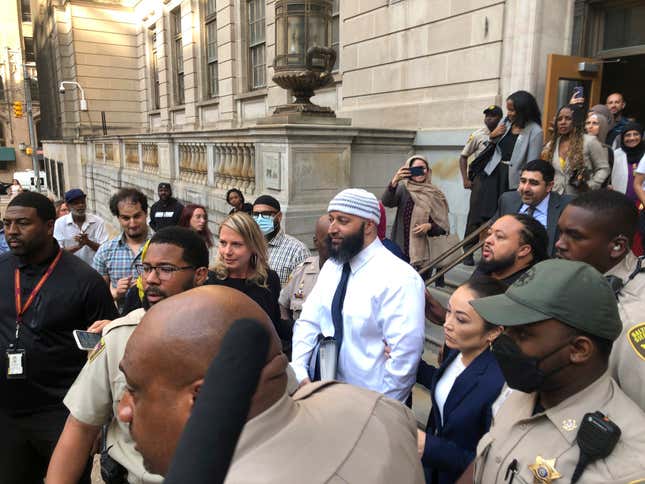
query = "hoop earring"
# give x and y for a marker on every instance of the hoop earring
(254, 260)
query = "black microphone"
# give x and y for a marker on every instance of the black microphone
(207, 444)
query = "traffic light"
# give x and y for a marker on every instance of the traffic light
(17, 109)
(29, 150)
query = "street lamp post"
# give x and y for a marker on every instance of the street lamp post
(61, 89)
(304, 59)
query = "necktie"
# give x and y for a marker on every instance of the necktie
(530, 210)
(337, 305)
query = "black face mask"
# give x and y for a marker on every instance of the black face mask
(522, 372)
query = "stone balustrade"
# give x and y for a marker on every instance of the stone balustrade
(193, 165)
(111, 151)
(132, 155)
(234, 166)
(99, 155)
(150, 157)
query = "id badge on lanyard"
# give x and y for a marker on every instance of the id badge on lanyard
(16, 364)
(16, 356)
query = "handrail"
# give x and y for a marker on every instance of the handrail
(430, 265)
(456, 262)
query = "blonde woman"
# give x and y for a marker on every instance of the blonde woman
(579, 159)
(241, 263)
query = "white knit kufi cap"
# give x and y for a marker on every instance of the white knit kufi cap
(356, 201)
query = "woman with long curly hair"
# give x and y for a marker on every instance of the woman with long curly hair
(580, 160)
(195, 217)
(242, 263)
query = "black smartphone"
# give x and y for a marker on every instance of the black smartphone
(417, 171)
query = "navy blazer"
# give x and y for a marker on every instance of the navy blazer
(511, 202)
(451, 446)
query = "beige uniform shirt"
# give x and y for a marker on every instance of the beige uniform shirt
(302, 281)
(476, 143)
(94, 397)
(627, 360)
(329, 432)
(545, 443)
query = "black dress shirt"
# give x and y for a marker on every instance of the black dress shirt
(73, 297)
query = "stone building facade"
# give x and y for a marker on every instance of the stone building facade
(185, 85)
(16, 49)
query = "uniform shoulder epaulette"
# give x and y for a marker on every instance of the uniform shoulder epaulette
(311, 388)
(131, 319)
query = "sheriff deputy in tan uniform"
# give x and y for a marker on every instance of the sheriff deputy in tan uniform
(561, 319)
(304, 276)
(598, 229)
(176, 260)
(327, 432)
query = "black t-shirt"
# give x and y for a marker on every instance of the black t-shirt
(73, 297)
(508, 280)
(266, 297)
(165, 214)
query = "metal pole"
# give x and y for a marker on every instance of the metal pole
(32, 132)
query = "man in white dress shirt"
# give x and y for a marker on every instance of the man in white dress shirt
(384, 302)
(79, 232)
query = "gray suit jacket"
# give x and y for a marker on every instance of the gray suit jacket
(510, 202)
(528, 147)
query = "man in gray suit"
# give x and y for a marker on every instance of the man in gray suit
(534, 197)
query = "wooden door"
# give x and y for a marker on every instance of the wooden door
(564, 71)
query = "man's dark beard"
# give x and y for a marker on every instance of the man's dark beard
(489, 267)
(348, 248)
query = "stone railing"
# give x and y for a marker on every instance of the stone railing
(132, 155)
(99, 154)
(112, 153)
(150, 157)
(220, 163)
(234, 166)
(193, 163)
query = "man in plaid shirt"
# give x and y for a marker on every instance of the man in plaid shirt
(285, 251)
(116, 259)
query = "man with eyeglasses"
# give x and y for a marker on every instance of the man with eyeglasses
(176, 260)
(285, 251)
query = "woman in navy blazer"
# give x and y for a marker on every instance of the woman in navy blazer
(463, 388)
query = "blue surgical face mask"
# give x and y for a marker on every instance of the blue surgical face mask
(265, 222)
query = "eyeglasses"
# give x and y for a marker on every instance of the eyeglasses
(265, 214)
(164, 272)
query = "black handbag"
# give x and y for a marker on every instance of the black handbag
(578, 179)
(477, 166)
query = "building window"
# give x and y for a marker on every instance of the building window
(257, 59)
(335, 29)
(210, 28)
(30, 55)
(623, 27)
(25, 8)
(154, 70)
(178, 52)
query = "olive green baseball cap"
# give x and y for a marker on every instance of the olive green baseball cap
(573, 293)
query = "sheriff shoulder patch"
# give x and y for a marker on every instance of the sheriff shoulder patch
(636, 337)
(98, 349)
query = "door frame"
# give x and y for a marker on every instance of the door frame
(566, 67)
